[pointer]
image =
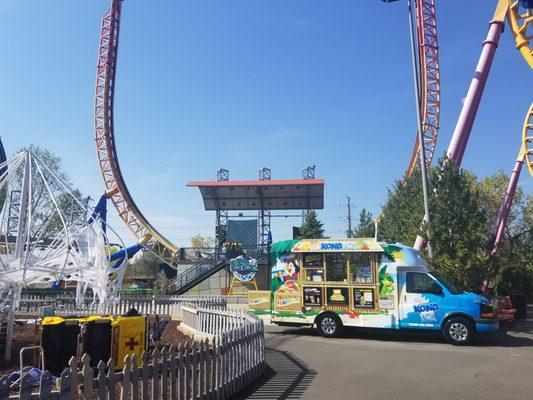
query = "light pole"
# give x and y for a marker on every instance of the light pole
(422, 155)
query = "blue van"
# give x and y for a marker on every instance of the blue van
(331, 283)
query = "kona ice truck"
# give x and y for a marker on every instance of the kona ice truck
(333, 283)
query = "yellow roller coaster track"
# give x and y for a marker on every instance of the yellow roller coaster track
(527, 140)
(521, 21)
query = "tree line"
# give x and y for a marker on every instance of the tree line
(463, 210)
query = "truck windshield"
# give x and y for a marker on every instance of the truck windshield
(451, 288)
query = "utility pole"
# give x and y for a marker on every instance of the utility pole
(349, 233)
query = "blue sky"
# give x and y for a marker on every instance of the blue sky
(242, 84)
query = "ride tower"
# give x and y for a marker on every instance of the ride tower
(263, 196)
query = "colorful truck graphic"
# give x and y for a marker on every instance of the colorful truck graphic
(332, 283)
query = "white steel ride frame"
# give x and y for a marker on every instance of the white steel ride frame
(45, 236)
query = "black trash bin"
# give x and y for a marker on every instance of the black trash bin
(519, 302)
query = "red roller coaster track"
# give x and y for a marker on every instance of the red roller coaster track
(116, 188)
(428, 55)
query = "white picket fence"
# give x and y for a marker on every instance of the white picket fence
(164, 306)
(230, 357)
(213, 320)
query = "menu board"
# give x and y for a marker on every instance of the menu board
(337, 296)
(314, 275)
(313, 296)
(312, 260)
(363, 298)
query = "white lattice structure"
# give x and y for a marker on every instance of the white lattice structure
(45, 236)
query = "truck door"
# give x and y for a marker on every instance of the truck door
(421, 298)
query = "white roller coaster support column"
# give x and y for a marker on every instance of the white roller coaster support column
(22, 233)
(10, 323)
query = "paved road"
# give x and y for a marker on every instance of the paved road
(385, 365)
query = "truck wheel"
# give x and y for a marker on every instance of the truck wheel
(329, 325)
(458, 331)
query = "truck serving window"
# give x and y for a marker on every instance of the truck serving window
(361, 268)
(419, 283)
(336, 270)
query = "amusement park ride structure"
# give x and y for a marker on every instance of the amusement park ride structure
(428, 72)
(520, 17)
(115, 186)
(116, 189)
(49, 236)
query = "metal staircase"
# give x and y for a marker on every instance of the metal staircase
(195, 274)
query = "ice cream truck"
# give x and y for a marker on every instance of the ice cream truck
(331, 283)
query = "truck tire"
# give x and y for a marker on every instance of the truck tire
(458, 331)
(329, 325)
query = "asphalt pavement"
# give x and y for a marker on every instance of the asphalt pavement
(378, 364)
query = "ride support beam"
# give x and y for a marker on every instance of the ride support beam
(465, 123)
(503, 214)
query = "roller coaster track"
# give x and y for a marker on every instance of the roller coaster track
(429, 76)
(428, 55)
(521, 21)
(116, 188)
(527, 140)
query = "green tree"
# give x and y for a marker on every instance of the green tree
(161, 284)
(146, 265)
(312, 227)
(45, 220)
(492, 190)
(511, 269)
(463, 211)
(403, 211)
(365, 227)
(202, 242)
(458, 226)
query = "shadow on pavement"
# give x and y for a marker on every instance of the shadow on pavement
(286, 377)
(498, 339)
